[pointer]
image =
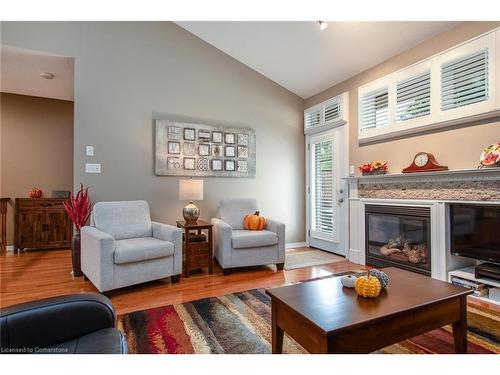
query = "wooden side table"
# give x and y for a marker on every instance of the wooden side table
(197, 254)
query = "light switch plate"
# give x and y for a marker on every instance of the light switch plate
(89, 150)
(92, 168)
(351, 170)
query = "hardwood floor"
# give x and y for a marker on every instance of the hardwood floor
(40, 274)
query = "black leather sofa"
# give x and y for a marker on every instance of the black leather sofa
(72, 324)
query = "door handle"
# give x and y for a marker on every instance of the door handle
(341, 200)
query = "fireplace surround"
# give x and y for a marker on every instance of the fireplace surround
(398, 236)
(434, 191)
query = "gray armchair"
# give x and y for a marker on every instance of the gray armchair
(124, 247)
(236, 247)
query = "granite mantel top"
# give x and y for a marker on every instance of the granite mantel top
(484, 174)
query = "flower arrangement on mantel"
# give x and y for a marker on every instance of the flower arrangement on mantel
(375, 167)
(78, 208)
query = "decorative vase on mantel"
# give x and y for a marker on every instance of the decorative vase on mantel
(75, 255)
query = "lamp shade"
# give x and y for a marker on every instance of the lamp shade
(190, 190)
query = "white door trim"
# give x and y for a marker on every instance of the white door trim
(341, 153)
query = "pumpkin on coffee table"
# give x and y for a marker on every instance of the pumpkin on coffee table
(367, 286)
(254, 222)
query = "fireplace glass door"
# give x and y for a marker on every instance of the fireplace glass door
(398, 236)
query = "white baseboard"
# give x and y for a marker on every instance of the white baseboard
(292, 245)
(10, 247)
(354, 256)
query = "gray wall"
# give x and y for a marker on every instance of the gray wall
(127, 72)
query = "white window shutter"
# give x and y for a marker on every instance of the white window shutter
(312, 118)
(375, 109)
(464, 81)
(413, 97)
(332, 111)
(323, 187)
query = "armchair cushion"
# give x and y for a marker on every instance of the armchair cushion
(141, 249)
(244, 239)
(130, 219)
(233, 211)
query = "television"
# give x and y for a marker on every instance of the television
(475, 231)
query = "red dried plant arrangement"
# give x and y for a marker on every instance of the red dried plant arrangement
(79, 207)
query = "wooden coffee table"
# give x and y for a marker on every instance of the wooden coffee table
(324, 317)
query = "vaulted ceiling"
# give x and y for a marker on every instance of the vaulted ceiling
(304, 59)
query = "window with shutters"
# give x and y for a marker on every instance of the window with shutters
(323, 187)
(413, 97)
(454, 87)
(324, 115)
(375, 109)
(464, 81)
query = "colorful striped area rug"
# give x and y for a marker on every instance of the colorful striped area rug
(240, 323)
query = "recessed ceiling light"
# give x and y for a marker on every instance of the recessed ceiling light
(322, 25)
(46, 75)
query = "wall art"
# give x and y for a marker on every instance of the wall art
(188, 149)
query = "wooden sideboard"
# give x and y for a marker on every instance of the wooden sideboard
(41, 223)
(3, 224)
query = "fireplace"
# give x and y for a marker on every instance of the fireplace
(398, 236)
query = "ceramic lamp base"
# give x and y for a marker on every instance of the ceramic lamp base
(191, 213)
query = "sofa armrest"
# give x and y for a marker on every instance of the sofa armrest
(51, 321)
(223, 234)
(279, 229)
(97, 257)
(172, 234)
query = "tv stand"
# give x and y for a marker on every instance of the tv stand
(488, 270)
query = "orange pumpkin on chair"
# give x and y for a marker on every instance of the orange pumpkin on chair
(254, 222)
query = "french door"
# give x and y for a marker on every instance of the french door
(327, 205)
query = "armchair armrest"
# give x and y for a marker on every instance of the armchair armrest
(97, 257)
(172, 234)
(54, 320)
(223, 233)
(279, 229)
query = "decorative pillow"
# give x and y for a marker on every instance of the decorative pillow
(254, 222)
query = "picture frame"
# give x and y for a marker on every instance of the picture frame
(216, 150)
(242, 139)
(216, 164)
(229, 151)
(242, 166)
(174, 147)
(174, 133)
(202, 157)
(229, 165)
(204, 149)
(203, 164)
(204, 135)
(189, 134)
(217, 137)
(229, 138)
(174, 163)
(189, 164)
(243, 152)
(189, 148)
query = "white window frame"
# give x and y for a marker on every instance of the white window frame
(485, 42)
(437, 118)
(341, 120)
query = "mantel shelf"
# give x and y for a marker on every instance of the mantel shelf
(454, 175)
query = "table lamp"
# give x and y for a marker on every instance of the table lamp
(191, 190)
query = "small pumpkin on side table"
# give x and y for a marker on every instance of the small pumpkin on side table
(368, 286)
